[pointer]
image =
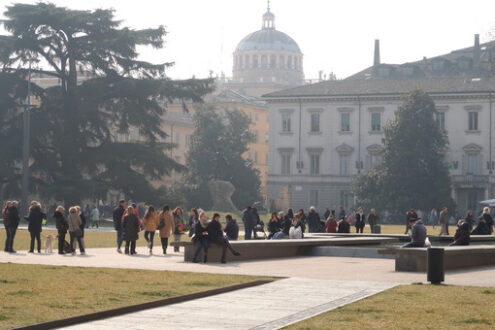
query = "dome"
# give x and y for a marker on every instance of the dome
(268, 39)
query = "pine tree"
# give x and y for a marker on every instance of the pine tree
(412, 172)
(104, 88)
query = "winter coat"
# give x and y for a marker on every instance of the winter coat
(418, 234)
(169, 227)
(214, 231)
(372, 219)
(481, 228)
(470, 221)
(248, 218)
(462, 235)
(151, 222)
(359, 221)
(232, 230)
(95, 214)
(193, 220)
(13, 218)
(118, 214)
(61, 222)
(443, 219)
(35, 219)
(344, 227)
(285, 225)
(273, 227)
(137, 215)
(313, 221)
(331, 226)
(489, 221)
(74, 222)
(130, 227)
(198, 232)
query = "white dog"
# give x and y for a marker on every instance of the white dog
(49, 244)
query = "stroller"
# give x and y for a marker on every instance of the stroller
(259, 228)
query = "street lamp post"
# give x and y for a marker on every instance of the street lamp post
(25, 146)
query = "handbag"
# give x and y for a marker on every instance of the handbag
(161, 224)
(182, 227)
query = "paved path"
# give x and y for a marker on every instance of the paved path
(269, 306)
(329, 268)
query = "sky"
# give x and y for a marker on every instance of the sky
(334, 35)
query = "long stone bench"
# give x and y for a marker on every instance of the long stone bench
(283, 248)
(407, 238)
(455, 257)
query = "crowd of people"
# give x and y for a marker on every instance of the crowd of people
(130, 220)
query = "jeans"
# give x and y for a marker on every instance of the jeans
(359, 230)
(61, 241)
(73, 239)
(151, 237)
(95, 223)
(164, 244)
(407, 229)
(9, 242)
(224, 243)
(35, 235)
(176, 240)
(119, 238)
(201, 244)
(133, 247)
(413, 245)
(248, 229)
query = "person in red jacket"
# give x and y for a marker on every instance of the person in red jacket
(331, 223)
(136, 213)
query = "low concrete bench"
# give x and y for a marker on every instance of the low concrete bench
(455, 257)
(283, 248)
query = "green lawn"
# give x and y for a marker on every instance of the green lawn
(413, 307)
(33, 294)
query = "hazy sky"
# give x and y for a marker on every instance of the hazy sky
(334, 35)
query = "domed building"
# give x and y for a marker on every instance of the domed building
(267, 60)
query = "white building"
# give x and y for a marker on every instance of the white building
(323, 135)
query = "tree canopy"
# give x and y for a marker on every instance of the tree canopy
(216, 152)
(103, 88)
(412, 172)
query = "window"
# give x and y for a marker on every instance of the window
(289, 62)
(188, 140)
(314, 197)
(273, 61)
(177, 138)
(315, 122)
(345, 165)
(472, 200)
(255, 61)
(285, 159)
(256, 136)
(246, 61)
(256, 157)
(473, 121)
(314, 164)
(441, 120)
(472, 164)
(256, 116)
(344, 199)
(374, 159)
(285, 122)
(345, 122)
(376, 122)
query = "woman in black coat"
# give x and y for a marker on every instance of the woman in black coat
(62, 227)
(130, 226)
(273, 225)
(462, 235)
(359, 224)
(35, 219)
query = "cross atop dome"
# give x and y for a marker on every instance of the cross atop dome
(268, 18)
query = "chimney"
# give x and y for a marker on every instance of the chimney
(476, 53)
(376, 58)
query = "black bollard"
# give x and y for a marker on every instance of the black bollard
(436, 269)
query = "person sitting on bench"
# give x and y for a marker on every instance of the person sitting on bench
(462, 235)
(418, 232)
(215, 236)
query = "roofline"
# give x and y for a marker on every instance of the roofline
(372, 94)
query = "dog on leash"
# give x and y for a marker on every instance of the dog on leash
(49, 243)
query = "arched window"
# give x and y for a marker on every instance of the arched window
(289, 62)
(264, 61)
(241, 66)
(255, 61)
(281, 61)
(246, 61)
(273, 61)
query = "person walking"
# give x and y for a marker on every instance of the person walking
(359, 224)
(62, 227)
(35, 219)
(443, 220)
(200, 238)
(193, 220)
(151, 221)
(469, 220)
(75, 231)
(95, 217)
(488, 219)
(249, 222)
(11, 223)
(313, 220)
(4, 217)
(166, 227)
(433, 218)
(373, 220)
(215, 236)
(231, 228)
(130, 227)
(118, 214)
